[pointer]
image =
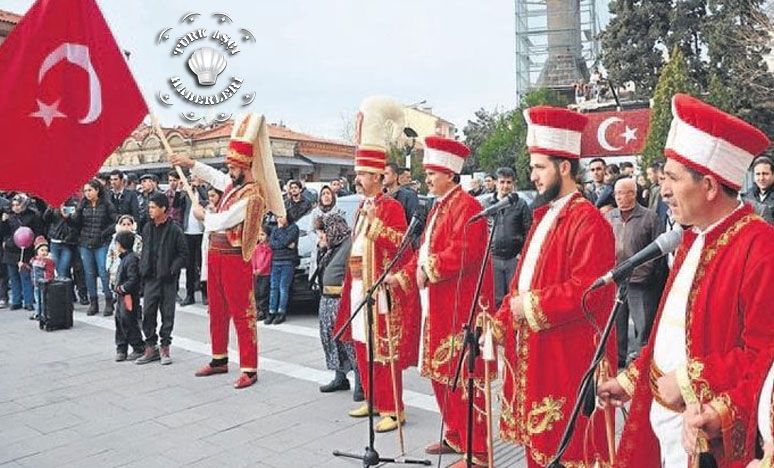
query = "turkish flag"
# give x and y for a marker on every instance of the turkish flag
(68, 99)
(615, 133)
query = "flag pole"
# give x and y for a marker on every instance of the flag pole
(157, 128)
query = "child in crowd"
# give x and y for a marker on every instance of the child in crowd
(284, 245)
(262, 274)
(213, 196)
(42, 269)
(125, 223)
(127, 288)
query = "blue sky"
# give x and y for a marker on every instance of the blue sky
(314, 61)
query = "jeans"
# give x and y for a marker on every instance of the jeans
(94, 259)
(281, 277)
(39, 304)
(504, 268)
(63, 256)
(21, 285)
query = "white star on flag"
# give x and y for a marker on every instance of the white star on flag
(629, 134)
(48, 112)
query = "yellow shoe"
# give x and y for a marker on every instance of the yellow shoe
(389, 423)
(361, 412)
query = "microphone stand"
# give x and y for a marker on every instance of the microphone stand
(587, 383)
(470, 344)
(371, 456)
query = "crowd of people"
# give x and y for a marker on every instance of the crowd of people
(695, 371)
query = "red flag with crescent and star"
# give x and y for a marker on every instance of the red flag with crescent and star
(68, 99)
(615, 133)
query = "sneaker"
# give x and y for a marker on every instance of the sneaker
(279, 318)
(135, 354)
(33, 316)
(187, 301)
(29, 307)
(269, 319)
(3, 304)
(151, 354)
(121, 356)
(165, 357)
(15, 306)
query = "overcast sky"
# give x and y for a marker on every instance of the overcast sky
(315, 60)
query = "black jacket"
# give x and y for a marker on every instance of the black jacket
(763, 207)
(125, 202)
(29, 218)
(142, 203)
(280, 241)
(128, 281)
(296, 210)
(164, 250)
(58, 229)
(511, 229)
(408, 200)
(95, 224)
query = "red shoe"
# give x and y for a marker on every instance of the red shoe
(209, 370)
(439, 449)
(245, 381)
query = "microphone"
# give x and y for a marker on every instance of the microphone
(664, 244)
(509, 200)
(417, 223)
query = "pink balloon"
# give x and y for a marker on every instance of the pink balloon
(23, 237)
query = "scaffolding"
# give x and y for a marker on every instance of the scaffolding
(566, 31)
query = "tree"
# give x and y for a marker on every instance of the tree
(476, 132)
(631, 41)
(687, 24)
(674, 79)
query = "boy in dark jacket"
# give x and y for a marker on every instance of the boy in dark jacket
(284, 246)
(128, 313)
(164, 254)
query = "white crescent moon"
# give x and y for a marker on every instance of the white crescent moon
(602, 132)
(77, 54)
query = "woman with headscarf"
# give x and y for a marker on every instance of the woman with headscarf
(21, 214)
(334, 245)
(326, 203)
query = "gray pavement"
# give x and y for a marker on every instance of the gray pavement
(64, 402)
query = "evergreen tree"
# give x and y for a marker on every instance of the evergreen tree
(630, 42)
(687, 24)
(674, 79)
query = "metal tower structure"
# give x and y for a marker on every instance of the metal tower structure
(556, 42)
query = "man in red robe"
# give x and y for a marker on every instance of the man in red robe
(714, 329)
(380, 226)
(249, 188)
(548, 341)
(446, 268)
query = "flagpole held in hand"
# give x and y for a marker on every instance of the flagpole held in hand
(160, 133)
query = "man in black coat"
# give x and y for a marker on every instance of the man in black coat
(510, 231)
(164, 254)
(761, 196)
(148, 187)
(407, 197)
(124, 201)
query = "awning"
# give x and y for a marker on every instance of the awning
(214, 161)
(330, 160)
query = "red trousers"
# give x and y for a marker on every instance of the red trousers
(230, 294)
(384, 400)
(454, 411)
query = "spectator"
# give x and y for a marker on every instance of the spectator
(176, 197)
(326, 205)
(41, 269)
(63, 238)
(131, 184)
(5, 206)
(407, 197)
(262, 274)
(164, 254)
(194, 233)
(580, 92)
(489, 184)
(213, 197)
(597, 170)
(335, 243)
(654, 195)
(94, 219)
(125, 224)
(511, 230)
(148, 187)
(338, 190)
(595, 81)
(21, 214)
(404, 177)
(761, 197)
(127, 290)
(606, 200)
(124, 200)
(296, 205)
(284, 245)
(627, 169)
(476, 187)
(634, 228)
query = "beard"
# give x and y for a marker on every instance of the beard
(550, 194)
(239, 179)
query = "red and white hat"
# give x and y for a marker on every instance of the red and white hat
(242, 145)
(379, 122)
(712, 142)
(444, 154)
(554, 131)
